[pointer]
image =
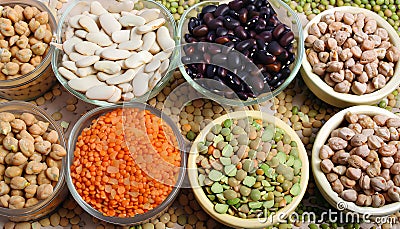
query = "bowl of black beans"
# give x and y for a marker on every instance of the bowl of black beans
(240, 52)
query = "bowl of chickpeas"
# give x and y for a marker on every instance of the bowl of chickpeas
(32, 163)
(26, 30)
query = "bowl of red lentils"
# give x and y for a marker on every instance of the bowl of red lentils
(125, 163)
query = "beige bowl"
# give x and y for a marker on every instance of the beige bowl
(320, 178)
(326, 92)
(233, 221)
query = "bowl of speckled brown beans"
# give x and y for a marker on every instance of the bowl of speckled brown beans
(356, 161)
(351, 57)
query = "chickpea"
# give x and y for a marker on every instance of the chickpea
(31, 202)
(24, 55)
(7, 30)
(57, 152)
(15, 192)
(31, 178)
(22, 28)
(27, 147)
(36, 11)
(51, 136)
(18, 125)
(28, 13)
(39, 48)
(38, 139)
(34, 167)
(16, 202)
(13, 171)
(43, 126)
(22, 42)
(4, 200)
(43, 147)
(48, 36)
(10, 143)
(12, 40)
(34, 25)
(53, 163)
(19, 10)
(40, 32)
(26, 68)
(25, 134)
(5, 127)
(14, 51)
(42, 18)
(28, 118)
(5, 21)
(5, 55)
(4, 188)
(11, 69)
(36, 157)
(35, 130)
(19, 159)
(53, 173)
(8, 158)
(30, 191)
(19, 183)
(44, 191)
(33, 41)
(42, 178)
(2, 169)
(3, 44)
(35, 61)
(3, 154)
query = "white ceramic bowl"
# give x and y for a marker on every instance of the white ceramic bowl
(320, 178)
(234, 221)
(325, 92)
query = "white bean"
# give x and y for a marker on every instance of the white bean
(84, 84)
(131, 20)
(148, 40)
(86, 48)
(108, 67)
(164, 39)
(140, 84)
(116, 96)
(88, 24)
(99, 38)
(150, 14)
(124, 78)
(115, 54)
(67, 73)
(101, 92)
(87, 61)
(121, 36)
(109, 23)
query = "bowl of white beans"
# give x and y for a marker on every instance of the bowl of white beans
(32, 162)
(351, 57)
(110, 52)
(355, 161)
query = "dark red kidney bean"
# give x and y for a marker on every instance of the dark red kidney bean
(236, 5)
(250, 8)
(261, 45)
(208, 17)
(214, 49)
(200, 31)
(253, 14)
(222, 40)
(233, 14)
(265, 12)
(219, 59)
(265, 36)
(231, 23)
(201, 47)
(190, 39)
(214, 24)
(221, 31)
(193, 22)
(209, 9)
(283, 56)
(189, 50)
(222, 72)
(286, 39)
(201, 68)
(258, 3)
(275, 49)
(242, 95)
(186, 59)
(241, 33)
(243, 15)
(211, 36)
(207, 58)
(221, 10)
(278, 31)
(234, 59)
(199, 76)
(244, 45)
(260, 26)
(210, 71)
(264, 57)
(274, 67)
(273, 21)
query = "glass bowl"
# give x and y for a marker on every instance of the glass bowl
(60, 190)
(41, 79)
(285, 14)
(234, 221)
(77, 7)
(85, 122)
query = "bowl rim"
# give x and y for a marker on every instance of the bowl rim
(45, 63)
(265, 96)
(234, 221)
(77, 130)
(148, 95)
(22, 107)
(320, 178)
(351, 98)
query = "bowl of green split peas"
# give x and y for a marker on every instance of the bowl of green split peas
(248, 169)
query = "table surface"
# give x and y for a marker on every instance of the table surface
(58, 105)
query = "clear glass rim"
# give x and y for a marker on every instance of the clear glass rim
(76, 131)
(20, 107)
(264, 97)
(46, 59)
(150, 94)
